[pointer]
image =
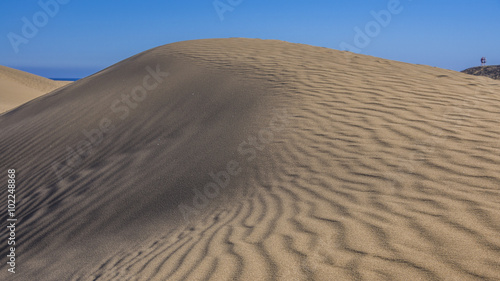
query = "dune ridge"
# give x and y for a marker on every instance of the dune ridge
(379, 170)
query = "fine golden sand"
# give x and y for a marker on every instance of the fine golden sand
(331, 166)
(18, 87)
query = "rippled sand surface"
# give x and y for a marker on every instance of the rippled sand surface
(258, 160)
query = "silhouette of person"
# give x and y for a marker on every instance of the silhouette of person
(483, 61)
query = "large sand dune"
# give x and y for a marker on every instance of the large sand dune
(329, 165)
(18, 87)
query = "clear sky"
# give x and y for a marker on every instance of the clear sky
(76, 38)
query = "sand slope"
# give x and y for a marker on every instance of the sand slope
(338, 167)
(19, 87)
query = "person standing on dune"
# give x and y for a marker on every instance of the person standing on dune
(483, 61)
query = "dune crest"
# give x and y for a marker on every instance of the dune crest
(246, 159)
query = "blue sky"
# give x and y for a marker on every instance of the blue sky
(83, 37)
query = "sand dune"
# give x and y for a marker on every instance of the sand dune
(19, 87)
(327, 166)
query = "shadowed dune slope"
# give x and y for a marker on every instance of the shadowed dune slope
(245, 159)
(18, 87)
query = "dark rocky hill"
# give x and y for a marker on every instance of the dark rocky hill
(492, 71)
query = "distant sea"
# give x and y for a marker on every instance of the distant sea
(65, 79)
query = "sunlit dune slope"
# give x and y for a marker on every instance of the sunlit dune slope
(18, 87)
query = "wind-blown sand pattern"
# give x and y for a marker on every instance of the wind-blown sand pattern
(377, 170)
(19, 87)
